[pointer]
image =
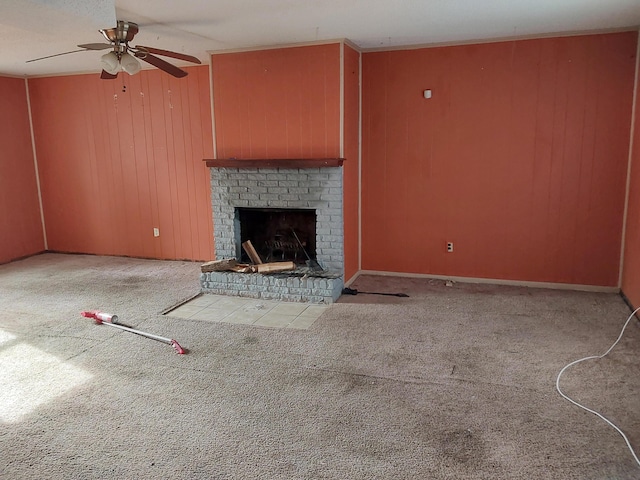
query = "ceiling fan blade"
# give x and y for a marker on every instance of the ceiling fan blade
(96, 46)
(161, 64)
(107, 76)
(168, 53)
(55, 55)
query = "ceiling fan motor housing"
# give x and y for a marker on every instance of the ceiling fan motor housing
(124, 32)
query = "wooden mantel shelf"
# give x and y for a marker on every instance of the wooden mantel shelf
(274, 162)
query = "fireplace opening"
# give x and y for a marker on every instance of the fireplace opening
(273, 232)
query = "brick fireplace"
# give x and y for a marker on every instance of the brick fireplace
(306, 186)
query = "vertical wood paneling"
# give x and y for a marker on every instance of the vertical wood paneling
(631, 262)
(280, 103)
(519, 158)
(20, 224)
(351, 198)
(118, 158)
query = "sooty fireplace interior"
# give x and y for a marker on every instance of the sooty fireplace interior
(277, 234)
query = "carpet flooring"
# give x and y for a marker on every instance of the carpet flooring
(449, 383)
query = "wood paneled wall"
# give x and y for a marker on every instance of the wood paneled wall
(351, 169)
(519, 159)
(279, 103)
(20, 224)
(119, 158)
(286, 103)
(631, 265)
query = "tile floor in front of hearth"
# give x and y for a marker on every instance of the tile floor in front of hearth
(249, 311)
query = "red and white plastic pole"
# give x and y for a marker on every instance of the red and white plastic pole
(102, 318)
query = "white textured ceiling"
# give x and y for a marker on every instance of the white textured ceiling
(36, 28)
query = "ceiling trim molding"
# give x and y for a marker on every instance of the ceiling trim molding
(352, 45)
(278, 46)
(97, 72)
(501, 39)
(8, 75)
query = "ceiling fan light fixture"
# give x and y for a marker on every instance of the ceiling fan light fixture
(110, 63)
(130, 64)
(123, 57)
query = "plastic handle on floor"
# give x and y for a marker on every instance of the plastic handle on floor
(176, 346)
(100, 317)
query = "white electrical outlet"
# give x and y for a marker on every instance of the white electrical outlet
(156, 232)
(449, 247)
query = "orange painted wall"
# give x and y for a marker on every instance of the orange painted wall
(519, 158)
(20, 225)
(285, 103)
(280, 103)
(631, 265)
(115, 164)
(351, 168)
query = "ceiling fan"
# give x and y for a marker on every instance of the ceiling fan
(123, 57)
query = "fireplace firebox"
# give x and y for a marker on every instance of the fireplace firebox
(277, 234)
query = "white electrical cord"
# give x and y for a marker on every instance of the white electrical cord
(593, 411)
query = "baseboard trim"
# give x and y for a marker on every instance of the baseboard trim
(24, 257)
(352, 279)
(493, 281)
(627, 301)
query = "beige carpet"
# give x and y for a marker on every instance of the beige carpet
(453, 382)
